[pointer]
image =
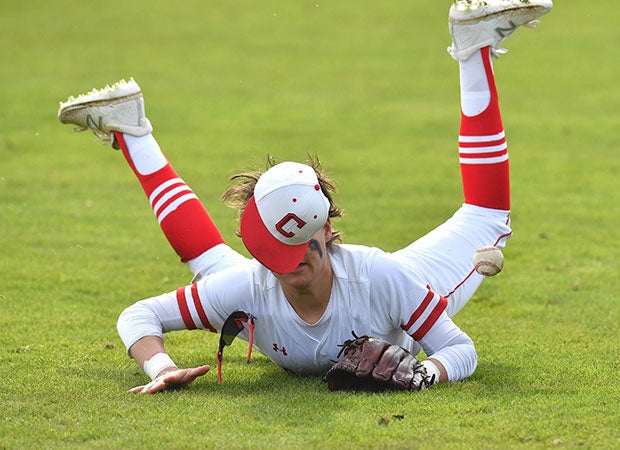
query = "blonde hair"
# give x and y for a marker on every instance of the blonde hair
(241, 190)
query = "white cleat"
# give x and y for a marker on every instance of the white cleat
(476, 24)
(119, 107)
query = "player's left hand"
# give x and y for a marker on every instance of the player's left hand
(172, 379)
(374, 365)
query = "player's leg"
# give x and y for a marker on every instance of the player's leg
(183, 219)
(477, 29)
(444, 256)
(181, 216)
(116, 115)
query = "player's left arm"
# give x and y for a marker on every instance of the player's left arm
(449, 349)
(420, 312)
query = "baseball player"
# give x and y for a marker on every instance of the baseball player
(303, 290)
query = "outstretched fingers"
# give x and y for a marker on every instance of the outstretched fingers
(171, 380)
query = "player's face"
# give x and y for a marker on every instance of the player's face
(315, 267)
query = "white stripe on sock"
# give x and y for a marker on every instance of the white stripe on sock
(169, 195)
(493, 160)
(174, 205)
(159, 189)
(492, 137)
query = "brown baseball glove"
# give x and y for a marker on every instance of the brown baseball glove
(375, 365)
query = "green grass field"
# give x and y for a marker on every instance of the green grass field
(369, 87)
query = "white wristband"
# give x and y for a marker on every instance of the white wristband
(156, 364)
(432, 370)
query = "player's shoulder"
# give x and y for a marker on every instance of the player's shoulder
(352, 261)
(376, 264)
(353, 254)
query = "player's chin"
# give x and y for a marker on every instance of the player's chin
(299, 276)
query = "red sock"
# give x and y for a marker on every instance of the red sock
(483, 152)
(183, 219)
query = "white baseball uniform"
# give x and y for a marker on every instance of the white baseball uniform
(406, 297)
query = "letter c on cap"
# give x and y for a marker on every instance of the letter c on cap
(286, 219)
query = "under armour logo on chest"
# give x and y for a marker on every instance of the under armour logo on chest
(279, 349)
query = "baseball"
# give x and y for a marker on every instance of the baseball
(488, 260)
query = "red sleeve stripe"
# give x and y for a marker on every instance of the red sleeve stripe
(418, 312)
(429, 311)
(431, 319)
(200, 310)
(185, 314)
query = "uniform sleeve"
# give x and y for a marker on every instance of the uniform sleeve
(150, 317)
(452, 347)
(420, 312)
(204, 305)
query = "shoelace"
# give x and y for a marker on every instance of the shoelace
(233, 325)
(104, 138)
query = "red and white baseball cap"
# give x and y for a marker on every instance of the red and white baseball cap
(287, 208)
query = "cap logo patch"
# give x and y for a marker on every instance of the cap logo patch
(285, 221)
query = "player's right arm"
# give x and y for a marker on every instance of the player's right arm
(151, 350)
(141, 327)
(201, 305)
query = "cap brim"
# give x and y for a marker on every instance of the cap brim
(270, 252)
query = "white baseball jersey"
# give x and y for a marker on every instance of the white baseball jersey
(407, 297)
